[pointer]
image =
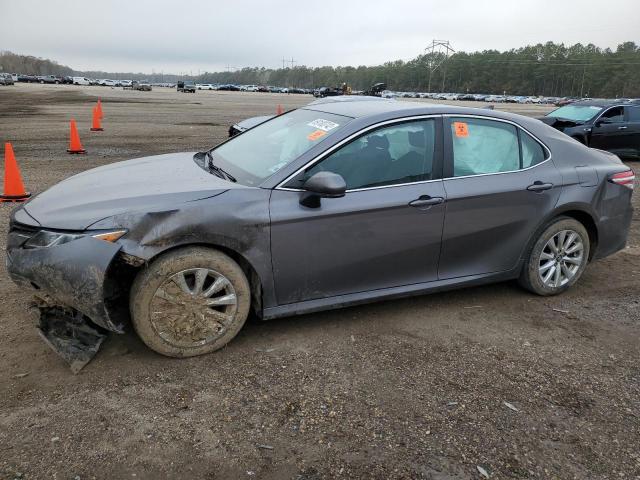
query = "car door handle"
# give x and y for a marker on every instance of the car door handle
(539, 186)
(624, 127)
(426, 201)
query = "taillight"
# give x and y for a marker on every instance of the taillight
(626, 179)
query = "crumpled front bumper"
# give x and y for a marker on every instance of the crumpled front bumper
(72, 275)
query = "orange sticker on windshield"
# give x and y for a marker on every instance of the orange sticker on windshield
(316, 135)
(461, 128)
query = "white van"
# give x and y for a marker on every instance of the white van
(81, 81)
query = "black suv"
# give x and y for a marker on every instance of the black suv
(605, 124)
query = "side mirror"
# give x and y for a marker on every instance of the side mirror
(322, 185)
(603, 121)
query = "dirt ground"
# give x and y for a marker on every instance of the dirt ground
(414, 388)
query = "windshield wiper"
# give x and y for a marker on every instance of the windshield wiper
(217, 170)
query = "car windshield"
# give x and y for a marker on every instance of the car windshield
(577, 113)
(260, 152)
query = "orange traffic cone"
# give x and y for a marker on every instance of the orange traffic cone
(74, 143)
(13, 186)
(96, 127)
(279, 110)
(99, 108)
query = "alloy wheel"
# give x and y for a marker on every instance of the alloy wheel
(193, 307)
(561, 258)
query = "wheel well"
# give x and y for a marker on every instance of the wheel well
(587, 221)
(128, 268)
(252, 276)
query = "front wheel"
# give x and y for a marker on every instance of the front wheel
(557, 259)
(190, 302)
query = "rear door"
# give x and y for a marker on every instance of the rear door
(386, 230)
(499, 183)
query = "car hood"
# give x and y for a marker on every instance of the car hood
(143, 184)
(560, 123)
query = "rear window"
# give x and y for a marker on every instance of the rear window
(487, 146)
(483, 146)
(532, 151)
(634, 114)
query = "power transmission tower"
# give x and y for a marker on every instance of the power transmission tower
(436, 55)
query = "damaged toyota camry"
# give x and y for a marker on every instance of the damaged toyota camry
(323, 207)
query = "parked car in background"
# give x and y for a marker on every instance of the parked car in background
(229, 87)
(186, 86)
(395, 191)
(6, 79)
(27, 78)
(327, 92)
(245, 125)
(50, 79)
(565, 101)
(81, 81)
(125, 83)
(141, 85)
(602, 124)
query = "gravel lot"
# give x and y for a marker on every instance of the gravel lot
(489, 379)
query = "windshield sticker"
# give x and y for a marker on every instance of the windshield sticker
(461, 129)
(324, 125)
(276, 167)
(316, 135)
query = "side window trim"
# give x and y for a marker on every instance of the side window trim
(438, 154)
(520, 160)
(448, 146)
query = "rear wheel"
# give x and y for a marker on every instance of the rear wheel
(190, 302)
(557, 259)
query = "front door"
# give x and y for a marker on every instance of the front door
(610, 131)
(384, 232)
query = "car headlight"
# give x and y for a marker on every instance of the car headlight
(45, 238)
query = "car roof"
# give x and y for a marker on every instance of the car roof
(602, 103)
(400, 108)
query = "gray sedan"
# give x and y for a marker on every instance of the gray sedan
(323, 207)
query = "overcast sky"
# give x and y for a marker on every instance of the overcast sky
(199, 35)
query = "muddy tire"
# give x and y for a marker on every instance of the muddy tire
(557, 259)
(190, 302)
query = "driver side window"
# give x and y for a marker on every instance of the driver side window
(398, 154)
(614, 115)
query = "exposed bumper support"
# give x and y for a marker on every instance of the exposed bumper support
(70, 335)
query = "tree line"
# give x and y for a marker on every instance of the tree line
(550, 69)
